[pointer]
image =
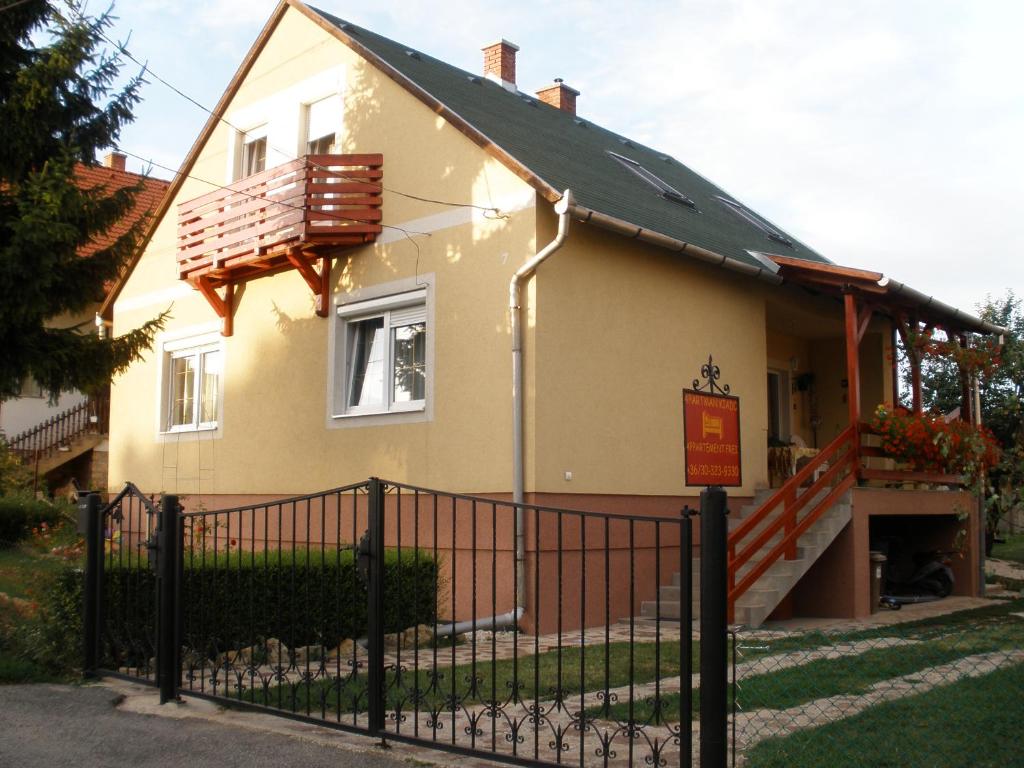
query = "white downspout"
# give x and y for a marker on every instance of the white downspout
(562, 208)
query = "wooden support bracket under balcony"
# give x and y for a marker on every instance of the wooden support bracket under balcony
(224, 307)
(288, 217)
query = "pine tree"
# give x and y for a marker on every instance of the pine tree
(60, 106)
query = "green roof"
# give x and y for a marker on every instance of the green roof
(568, 152)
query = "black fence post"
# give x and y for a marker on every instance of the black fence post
(686, 636)
(375, 608)
(167, 652)
(713, 628)
(91, 515)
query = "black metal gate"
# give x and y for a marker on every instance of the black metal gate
(523, 633)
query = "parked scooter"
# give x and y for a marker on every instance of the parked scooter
(924, 577)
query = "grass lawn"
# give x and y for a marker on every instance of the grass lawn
(984, 630)
(1012, 549)
(537, 676)
(971, 723)
(471, 684)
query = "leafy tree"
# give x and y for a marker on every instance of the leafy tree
(59, 107)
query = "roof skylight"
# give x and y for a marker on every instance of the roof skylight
(665, 189)
(757, 221)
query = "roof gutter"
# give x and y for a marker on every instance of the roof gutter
(588, 215)
(971, 322)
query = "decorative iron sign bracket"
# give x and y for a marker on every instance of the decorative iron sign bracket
(712, 374)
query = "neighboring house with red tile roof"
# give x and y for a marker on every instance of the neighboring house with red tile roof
(19, 417)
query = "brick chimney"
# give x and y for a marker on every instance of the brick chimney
(560, 96)
(500, 62)
(115, 160)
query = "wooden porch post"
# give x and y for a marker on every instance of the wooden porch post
(965, 385)
(853, 336)
(895, 367)
(852, 358)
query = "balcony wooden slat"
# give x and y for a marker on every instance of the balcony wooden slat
(340, 217)
(902, 475)
(224, 222)
(292, 193)
(249, 183)
(239, 229)
(372, 160)
(344, 174)
(247, 214)
(216, 251)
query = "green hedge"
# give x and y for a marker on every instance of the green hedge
(300, 597)
(20, 514)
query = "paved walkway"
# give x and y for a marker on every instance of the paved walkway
(106, 726)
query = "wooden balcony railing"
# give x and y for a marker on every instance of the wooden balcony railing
(259, 224)
(895, 477)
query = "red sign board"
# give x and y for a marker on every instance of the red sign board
(711, 429)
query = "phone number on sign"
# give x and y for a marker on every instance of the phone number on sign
(715, 470)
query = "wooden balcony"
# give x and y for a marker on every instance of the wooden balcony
(287, 217)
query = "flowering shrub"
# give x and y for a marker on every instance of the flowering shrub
(929, 444)
(981, 359)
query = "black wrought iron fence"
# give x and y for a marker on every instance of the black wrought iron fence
(122, 607)
(522, 632)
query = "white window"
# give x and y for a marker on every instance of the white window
(323, 120)
(192, 384)
(254, 151)
(383, 367)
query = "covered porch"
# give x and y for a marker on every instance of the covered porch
(831, 342)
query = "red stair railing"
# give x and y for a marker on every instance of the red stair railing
(839, 459)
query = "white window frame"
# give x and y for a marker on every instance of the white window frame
(367, 303)
(332, 103)
(245, 139)
(179, 348)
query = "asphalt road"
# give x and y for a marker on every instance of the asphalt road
(52, 726)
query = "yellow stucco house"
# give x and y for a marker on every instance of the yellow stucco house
(382, 265)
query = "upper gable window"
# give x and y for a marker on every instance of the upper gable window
(757, 221)
(665, 189)
(323, 122)
(254, 151)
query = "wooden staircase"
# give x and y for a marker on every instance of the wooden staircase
(775, 540)
(63, 437)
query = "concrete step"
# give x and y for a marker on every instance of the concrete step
(760, 600)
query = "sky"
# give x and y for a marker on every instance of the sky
(886, 135)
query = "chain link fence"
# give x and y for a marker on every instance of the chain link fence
(943, 691)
